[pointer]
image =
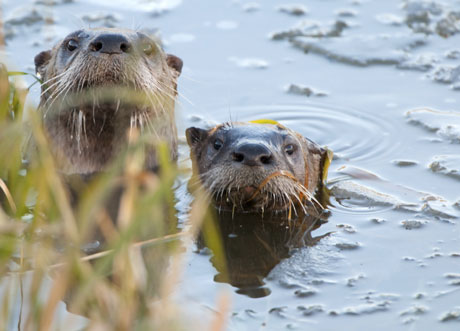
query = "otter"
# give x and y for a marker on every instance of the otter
(257, 167)
(100, 84)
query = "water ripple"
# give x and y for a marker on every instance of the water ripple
(352, 135)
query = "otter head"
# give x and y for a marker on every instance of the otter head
(97, 85)
(250, 167)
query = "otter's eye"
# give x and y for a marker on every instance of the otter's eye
(217, 144)
(147, 49)
(72, 45)
(289, 149)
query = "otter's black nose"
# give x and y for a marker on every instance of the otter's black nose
(252, 154)
(110, 43)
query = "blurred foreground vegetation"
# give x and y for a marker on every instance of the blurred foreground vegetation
(124, 286)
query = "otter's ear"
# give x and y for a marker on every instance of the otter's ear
(174, 62)
(41, 61)
(195, 136)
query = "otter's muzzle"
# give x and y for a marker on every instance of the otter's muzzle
(252, 154)
(110, 43)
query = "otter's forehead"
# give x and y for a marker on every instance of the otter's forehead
(255, 132)
(94, 32)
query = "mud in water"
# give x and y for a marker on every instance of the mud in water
(377, 82)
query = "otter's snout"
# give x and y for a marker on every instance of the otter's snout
(252, 154)
(110, 43)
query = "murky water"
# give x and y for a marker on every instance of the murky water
(392, 261)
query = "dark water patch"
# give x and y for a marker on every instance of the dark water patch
(255, 244)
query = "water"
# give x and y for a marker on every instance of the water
(371, 271)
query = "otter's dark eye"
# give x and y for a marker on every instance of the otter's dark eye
(147, 49)
(217, 144)
(289, 149)
(72, 45)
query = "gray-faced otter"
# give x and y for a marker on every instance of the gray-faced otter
(252, 167)
(98, 84)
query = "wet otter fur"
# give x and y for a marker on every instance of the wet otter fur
(98, 86)
(252, 167)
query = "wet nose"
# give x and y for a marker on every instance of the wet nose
(252, 154)
(110, 43)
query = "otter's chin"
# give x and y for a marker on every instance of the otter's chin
(97, 99)
(249, 200)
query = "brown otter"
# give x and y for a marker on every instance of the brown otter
(98, 84)
(249, 167)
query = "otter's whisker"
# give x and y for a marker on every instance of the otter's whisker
(54, 84)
